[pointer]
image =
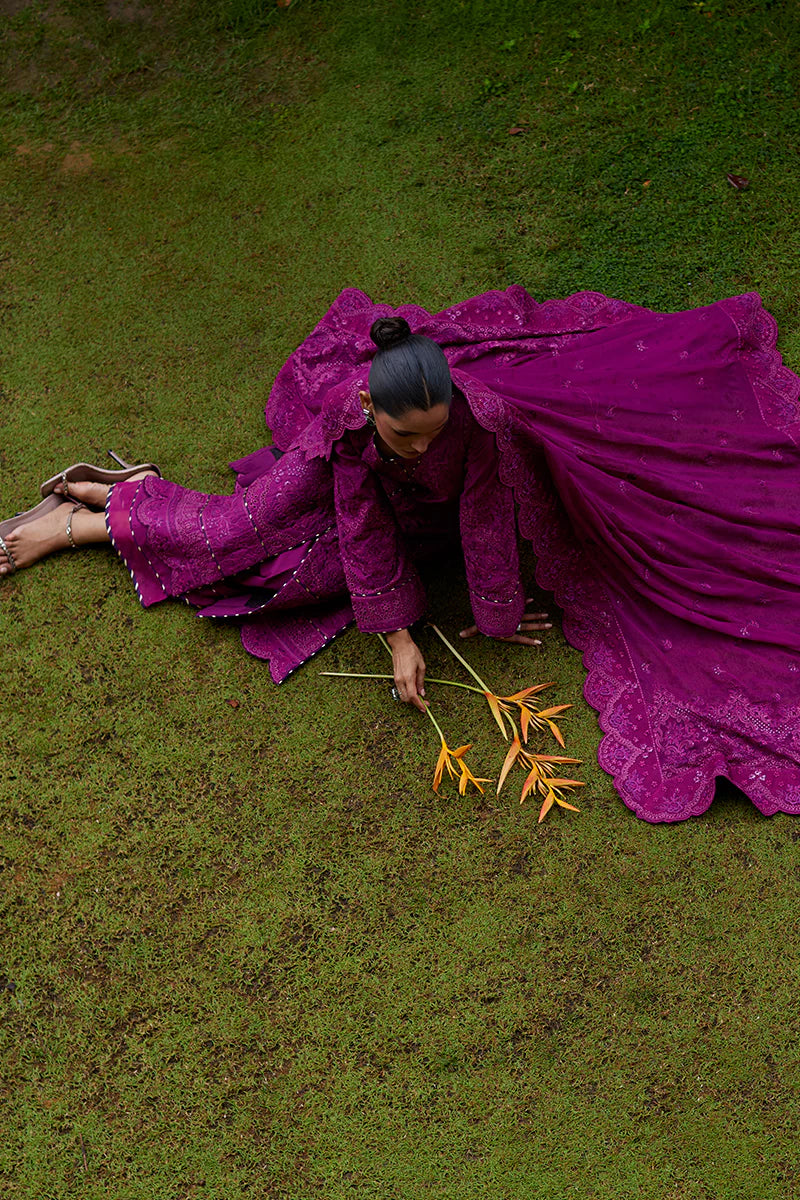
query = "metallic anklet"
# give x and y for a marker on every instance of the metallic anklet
(70, 541)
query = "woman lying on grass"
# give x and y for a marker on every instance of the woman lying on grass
(651, 458)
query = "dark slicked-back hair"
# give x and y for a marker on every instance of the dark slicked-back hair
(409, 371)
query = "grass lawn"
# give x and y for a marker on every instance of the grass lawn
(246, 951)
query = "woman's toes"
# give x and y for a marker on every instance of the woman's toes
(35, 539)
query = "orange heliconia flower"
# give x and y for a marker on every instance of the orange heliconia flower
(541, 776)
(467, 777)
(502, 708)
(452, 761)
(528, 715)
(448, 761)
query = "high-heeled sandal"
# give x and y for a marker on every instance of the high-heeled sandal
(23, 518)
(87, 473)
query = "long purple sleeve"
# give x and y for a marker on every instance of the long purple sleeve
(489, 539)
(384, 585)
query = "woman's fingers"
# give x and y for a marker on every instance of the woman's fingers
(409, 673)
(530, 623)
(534, 622)
(409, 692)
(519, 639)
(412, 689)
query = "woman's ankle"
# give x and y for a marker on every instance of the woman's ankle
(86, 528)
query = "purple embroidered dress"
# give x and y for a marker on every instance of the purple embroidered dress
(652, 460)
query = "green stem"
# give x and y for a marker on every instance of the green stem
(436, 725)
(452, 683)
(355, 675)
(364, 675)
(462, 660)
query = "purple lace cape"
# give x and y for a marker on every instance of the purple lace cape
(654, 462)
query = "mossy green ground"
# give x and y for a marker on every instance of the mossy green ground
(246, 951)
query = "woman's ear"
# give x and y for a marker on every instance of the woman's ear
(366, 402)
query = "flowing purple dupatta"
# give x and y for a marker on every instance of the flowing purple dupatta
(654, 462)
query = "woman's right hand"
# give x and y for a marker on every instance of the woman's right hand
(409, 668)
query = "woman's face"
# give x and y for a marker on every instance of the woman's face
(410, 434)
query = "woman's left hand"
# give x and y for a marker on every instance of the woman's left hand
(532, 622)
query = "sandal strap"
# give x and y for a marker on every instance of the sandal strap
(70, 540)
(8, 554)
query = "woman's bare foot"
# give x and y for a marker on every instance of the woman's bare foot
(36, 539)
(93, 494)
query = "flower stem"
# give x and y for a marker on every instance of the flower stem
(452, 683)
(462, 660)
(356, 675)
(367, 675)
(436, 725)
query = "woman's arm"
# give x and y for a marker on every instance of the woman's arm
(384, 585)
(489, 540)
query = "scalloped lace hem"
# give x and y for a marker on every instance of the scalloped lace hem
(590, 625)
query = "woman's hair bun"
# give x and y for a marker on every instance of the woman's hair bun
(389, 331)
